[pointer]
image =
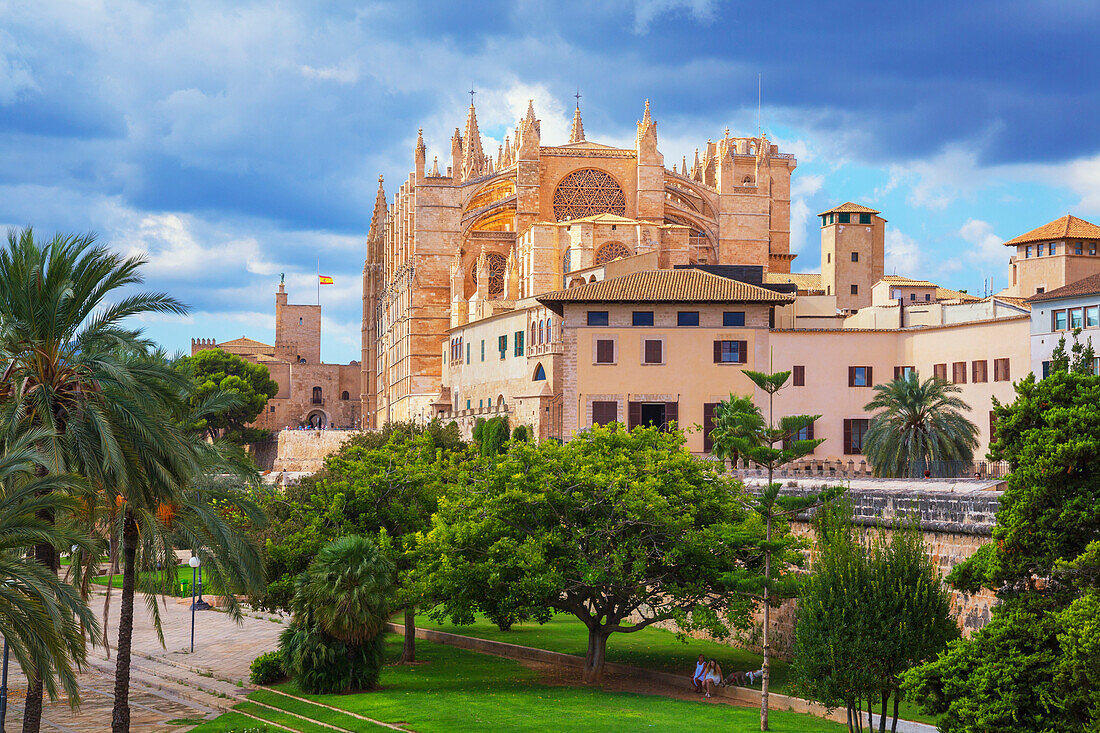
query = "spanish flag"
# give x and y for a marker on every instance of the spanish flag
(324, 280)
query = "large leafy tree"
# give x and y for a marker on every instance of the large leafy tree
(741, 432)
(622, 529)
(917, 427)
(1023, 671)
(215, 371)
(64, 308)
(43, 620)
(383, 485)
(872, 608)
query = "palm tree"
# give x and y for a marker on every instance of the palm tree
(917, 427)
(43, 619)
(62, 343)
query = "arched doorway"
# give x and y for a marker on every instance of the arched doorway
(317, 420)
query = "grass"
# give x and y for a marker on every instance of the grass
(457, 691)
(183, 574)
(649, 648)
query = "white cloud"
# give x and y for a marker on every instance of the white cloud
(15, 76)
(345, 72)
(646, 11)
(802, 187)
(903, 254)
(988, 249)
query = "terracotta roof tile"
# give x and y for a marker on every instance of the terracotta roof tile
(804, 280)
(1087, 286)
(850, 208)
(899, 280)
(1068, 227)
(949, 294)
(684, 286)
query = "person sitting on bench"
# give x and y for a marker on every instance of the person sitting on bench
(697, 678)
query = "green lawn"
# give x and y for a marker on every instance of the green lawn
(455, 691)
(183, 575)
(649, 648)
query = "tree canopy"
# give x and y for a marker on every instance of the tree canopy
(214, 371)
(621, 529)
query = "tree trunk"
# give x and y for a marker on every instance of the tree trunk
(894, 725)
(767, 623)
(882, 715)
(596, 656)
(120, 719)
(408, 653)
(32, 707)
(870, 715)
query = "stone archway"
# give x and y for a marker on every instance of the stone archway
(317, 419)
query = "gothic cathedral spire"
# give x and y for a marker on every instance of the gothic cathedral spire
(473, 159)
(576, 135)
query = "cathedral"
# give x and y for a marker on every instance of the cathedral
(480, 239)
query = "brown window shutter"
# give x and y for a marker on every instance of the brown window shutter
(634, 413)
(653, 350)
(672, 412)
(810, 431)
(851, 376)
(717, 352)
(605, 351)
(708, 425)
(870, 378)
(604, 413)
(847, 437)
(799, 376)
(1004, 371)
(742, 352)
(897, 372)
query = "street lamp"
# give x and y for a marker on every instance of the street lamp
(196, 585)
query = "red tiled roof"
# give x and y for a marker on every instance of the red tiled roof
(849, 208)
(681, 285)
(1068, 227)
(1087, 286)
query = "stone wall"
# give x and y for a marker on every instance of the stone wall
(306, 450)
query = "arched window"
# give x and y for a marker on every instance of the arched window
(540, 374)
(549, 330)
(540, 332)
(611, 251)
(316, 395)
(532, 336)
(500, 402)
(588, 192)
(344, 395)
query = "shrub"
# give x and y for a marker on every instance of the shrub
(266, 669)
(321, 664)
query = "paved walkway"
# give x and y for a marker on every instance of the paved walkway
(167, 682)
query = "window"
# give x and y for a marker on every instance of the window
(1039, 249)
(733, 319)
(467, 404)
(502, 345)
(928, 296)
(344, 395)
(317, 400)
(828, 256)
(1078, 249)
(480, 404)
(1040, 290)
(1059, 320)
(540, 374)
(855, 257)
(658, 414)
(1027, 252)
(864, 218)
(855, 289)
(642, 318)
(653, 351)
(859, 376)
(979, 372)
(939, 371)
(483, 349)
(1092, 316)
(687, 318)
(1076, 318)
(805, 433)
(597, 318)
(912, 296)
(605, 351)
(958, 372)
(467, 353)
(1092, 248)
(1000, 370)
(604, 413)
(903, 372)
(271, 409)
(1054, 248)
(798, 375)
(854, 430)
(518, 344)
(708, 425)
(731, 352)
(844, 218)
(540, 333)
(1046, 369)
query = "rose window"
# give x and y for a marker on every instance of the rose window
(587, 192)
(498, 265)
(611, 251)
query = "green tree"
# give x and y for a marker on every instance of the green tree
(741, 432)
(919, 426)
(621, 529)
(335, 641)
(1020, 672)
(385, 490)
(63, 339)
(217, 371)
(43, 620)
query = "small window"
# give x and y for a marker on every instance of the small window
(502, 345)
(854, 431)
(903, 372)
(483, 349)
(1040, 290)
(653, 351)
(687, 318)
(467, 404)
(467, 353)
(731, 352)
(928, 297)
(1027, 252)
(518, 343)
(859, 376)
(798, 375)
(642, 318)
(912, 296)
(855, 257)
(855, 289)
(1076, 318)
(864, 218)
(844, 218)
(979, 372)
(1039, 249)
(1046, 369)
(1060, 320)
(733, 319)
(958, 372)
(597, 318)
(344, 395)
(605, 412)
(605, 351)
(1054, 248)
(1000, 370)
(271, 409)
(1092, 316)
(939, 371)
(1078, 249)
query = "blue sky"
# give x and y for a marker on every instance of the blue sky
(231, 142)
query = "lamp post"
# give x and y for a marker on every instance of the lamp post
(4, 688)
(194, 562)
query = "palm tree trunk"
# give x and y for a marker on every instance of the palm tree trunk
(32, 707)
(408, 653)
(120, 719)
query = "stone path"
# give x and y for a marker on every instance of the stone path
(167, 682)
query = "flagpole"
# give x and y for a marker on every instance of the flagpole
(318, 281)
